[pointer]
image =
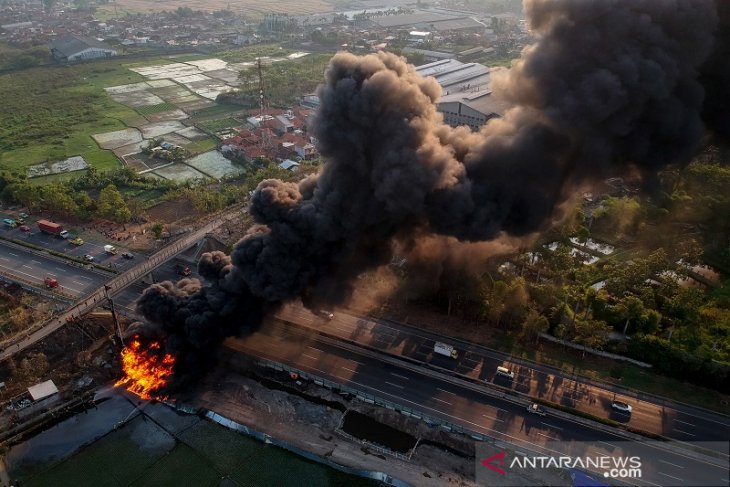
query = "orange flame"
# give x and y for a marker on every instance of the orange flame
(145, 372)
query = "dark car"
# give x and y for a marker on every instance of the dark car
(24, 228)
(128, 255)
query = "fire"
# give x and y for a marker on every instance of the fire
(145, 371)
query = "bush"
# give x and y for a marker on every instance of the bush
(678, 364)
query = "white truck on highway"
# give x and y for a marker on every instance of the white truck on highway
(445, 350)
(110, 249)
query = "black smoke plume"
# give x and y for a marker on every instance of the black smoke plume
(610, 84)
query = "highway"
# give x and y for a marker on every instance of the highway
(32, 267)
(468, 406)
(650, 413)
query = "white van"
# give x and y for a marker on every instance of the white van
(505, 372)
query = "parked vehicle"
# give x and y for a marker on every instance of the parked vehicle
(535, 408)
(76, 241)
(24, 228)
(621, 407)
(445, 350)
(110, 249)
(325, 314)
(50, 282)
(23, 215)
(10, 222)
(182, 270)
(50, 227)
(20, 220)
(89, 258)
(505, 372)
(128, 255)
(64, 234)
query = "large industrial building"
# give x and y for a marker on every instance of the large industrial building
(466, 97)
(75, 48)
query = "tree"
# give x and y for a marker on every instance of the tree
(630, 309)
(592, 334)
(157, 229)
(533, 325)
(112, 205)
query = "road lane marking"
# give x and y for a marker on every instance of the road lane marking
(315, 348)
(672, 464)
(61, 270)
(85, 277)
(609, 444)
(400, 376)
(441, 400)
(447, 392)
(670, 476)
(79, 283)
(347, 368)
(680, 431)
(495, 419)
(14, 255)
(652, 483)
(551, 426)
(28, 266)
(395, 385)
(309, 356)
(547, 436)
(684, 422)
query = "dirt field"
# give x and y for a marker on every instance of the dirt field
(251, 8)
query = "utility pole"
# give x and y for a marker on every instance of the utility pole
(117, 329)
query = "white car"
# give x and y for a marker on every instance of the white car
(621, 406)
(89, 258)
(325, 314)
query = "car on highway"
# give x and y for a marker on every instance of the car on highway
(24, 228)
(23, 215)
(505, 372)
(50, 282)
(76, 241)
(10, 222)
(182, 270)
(621, 407)
(535, 408)
(20, 220)
(128, 255)
(88, 258)
(325, 314)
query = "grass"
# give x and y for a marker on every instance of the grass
(160, 107)
(622, 374)
(50, 112)
(220, 124)
(218, 109)
(202, 145)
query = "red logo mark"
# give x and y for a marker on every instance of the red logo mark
(487, 462)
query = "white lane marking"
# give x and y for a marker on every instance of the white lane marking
(494, 419)
(14, 255)
(609, 444)
(447, 392)
(85, 277)
(551, 426)
(680, 431)
(355, 361)
(670, 476)
(315, 348)
(395, 385)
(309, 356)
(441, 400)
(50, 274)
(34, 262)
(672, 464)
(79, 283)
(684, 422)
(27, 266)
(547, 436)
(59, 269)
(652, 483)
(347, 368)
(399, 376)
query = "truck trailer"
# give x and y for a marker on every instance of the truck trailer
(50, 227)
(445, 350)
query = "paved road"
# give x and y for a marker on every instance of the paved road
(417, 389)
(651, 414)
(92, 247)
(34, 267)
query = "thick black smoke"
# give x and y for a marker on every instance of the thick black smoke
(609, 84)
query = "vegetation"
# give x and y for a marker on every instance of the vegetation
(682, 330)
(21, 58)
